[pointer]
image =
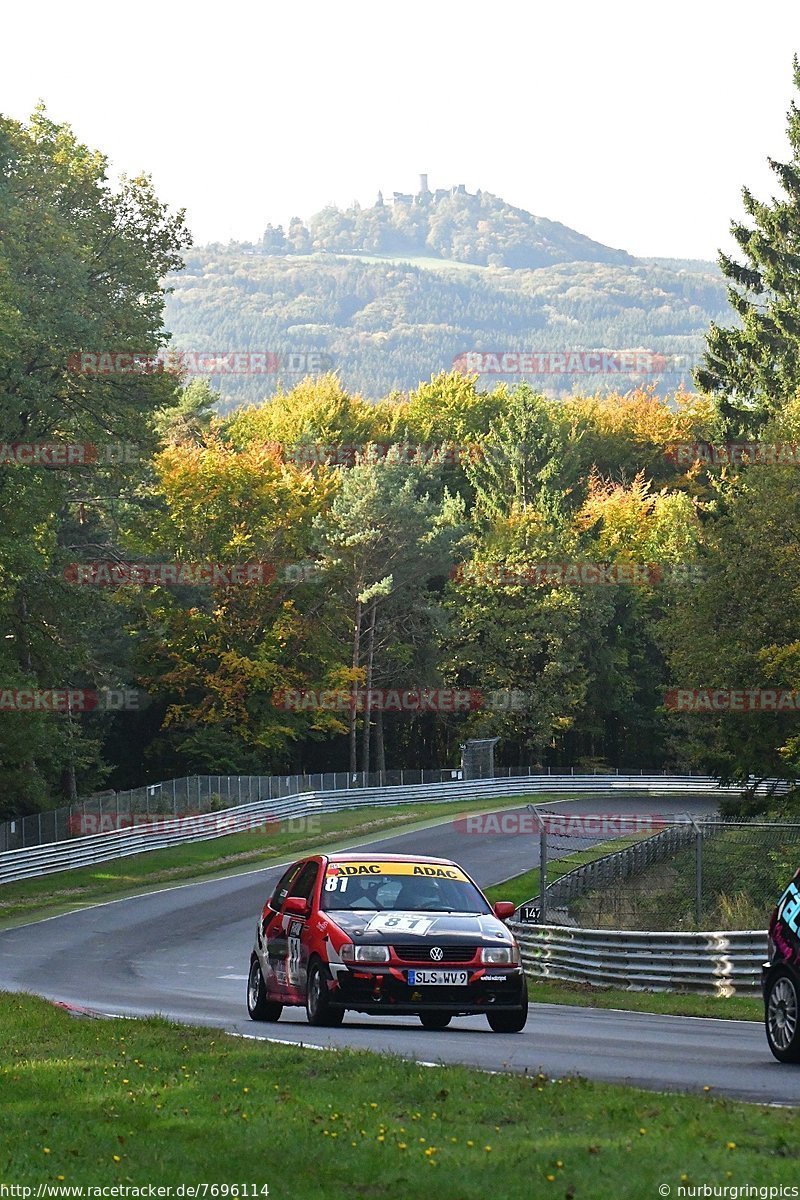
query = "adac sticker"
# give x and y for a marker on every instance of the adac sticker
(421, 870)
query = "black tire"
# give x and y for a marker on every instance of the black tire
(435, 1020)
(259, 1006)
(319, 1009)
(782, 1016)
(510, 1022)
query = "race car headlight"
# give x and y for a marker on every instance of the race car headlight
(364, 954)
(500, 956)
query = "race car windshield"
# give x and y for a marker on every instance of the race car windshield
(408, 887)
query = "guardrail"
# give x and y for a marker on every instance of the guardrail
(191, 795)
(120, 843)
(719, 964)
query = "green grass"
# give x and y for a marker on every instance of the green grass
(65, 890)
(90, 1103)
(682, 1004)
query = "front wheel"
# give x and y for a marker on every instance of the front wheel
(259, 1006)
(509, 1022)
(435, 1020)
(319, 1009)
(782, 1016)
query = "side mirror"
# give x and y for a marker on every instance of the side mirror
(296, 906)
(504, 909)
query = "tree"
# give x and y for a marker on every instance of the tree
(738, 629)
(521, 457)
(753, 367)
(190, 417)
(317, 413)
(383, 543)
(214, 656)
(81, 270)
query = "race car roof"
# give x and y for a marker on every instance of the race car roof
(354, 856)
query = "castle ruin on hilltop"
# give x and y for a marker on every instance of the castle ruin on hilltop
(424, 195)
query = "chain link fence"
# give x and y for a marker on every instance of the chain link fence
(185, 797)
(661, 874)
(197, 794)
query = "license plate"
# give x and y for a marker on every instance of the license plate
(445, 978)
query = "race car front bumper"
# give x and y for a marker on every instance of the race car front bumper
(388, 990)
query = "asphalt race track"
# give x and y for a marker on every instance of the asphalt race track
(184, 952)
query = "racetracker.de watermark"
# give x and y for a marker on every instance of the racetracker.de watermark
(213, 824)
(71, 700)
(60, 455)
(404, 700)
(734, 700)
(577, 574)
(134, 1191)
(738, 454)
(176, 574)
(572, 361)
(588, 825)
(558, 574)
(200, 362)
(347, 454)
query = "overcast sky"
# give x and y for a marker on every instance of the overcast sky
(635, 123)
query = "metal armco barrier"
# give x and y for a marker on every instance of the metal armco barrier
(719, 964)
(119, 843)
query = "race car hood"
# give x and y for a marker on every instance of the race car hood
(386, 928)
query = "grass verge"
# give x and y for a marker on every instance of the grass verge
(88, 1103)
(64, 890)
(680, 1004)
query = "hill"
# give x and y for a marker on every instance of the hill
(450, 223)
(388, 296)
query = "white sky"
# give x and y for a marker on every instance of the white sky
(635, 123)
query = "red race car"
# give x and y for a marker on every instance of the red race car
(385, 934)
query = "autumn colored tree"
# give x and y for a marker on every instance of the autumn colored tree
(216, 655)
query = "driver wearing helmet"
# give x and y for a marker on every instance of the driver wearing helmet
(419, 895)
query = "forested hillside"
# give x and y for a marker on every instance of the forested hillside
(386, 325)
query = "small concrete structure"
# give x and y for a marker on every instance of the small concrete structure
(477, 758)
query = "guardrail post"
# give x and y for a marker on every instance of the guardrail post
(698, 871)
(698, 877)
(542, 865)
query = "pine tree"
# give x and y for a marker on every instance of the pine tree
(753, 368)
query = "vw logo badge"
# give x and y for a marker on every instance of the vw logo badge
(437, 954)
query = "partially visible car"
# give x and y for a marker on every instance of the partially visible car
(780, 976)
(386, 935)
